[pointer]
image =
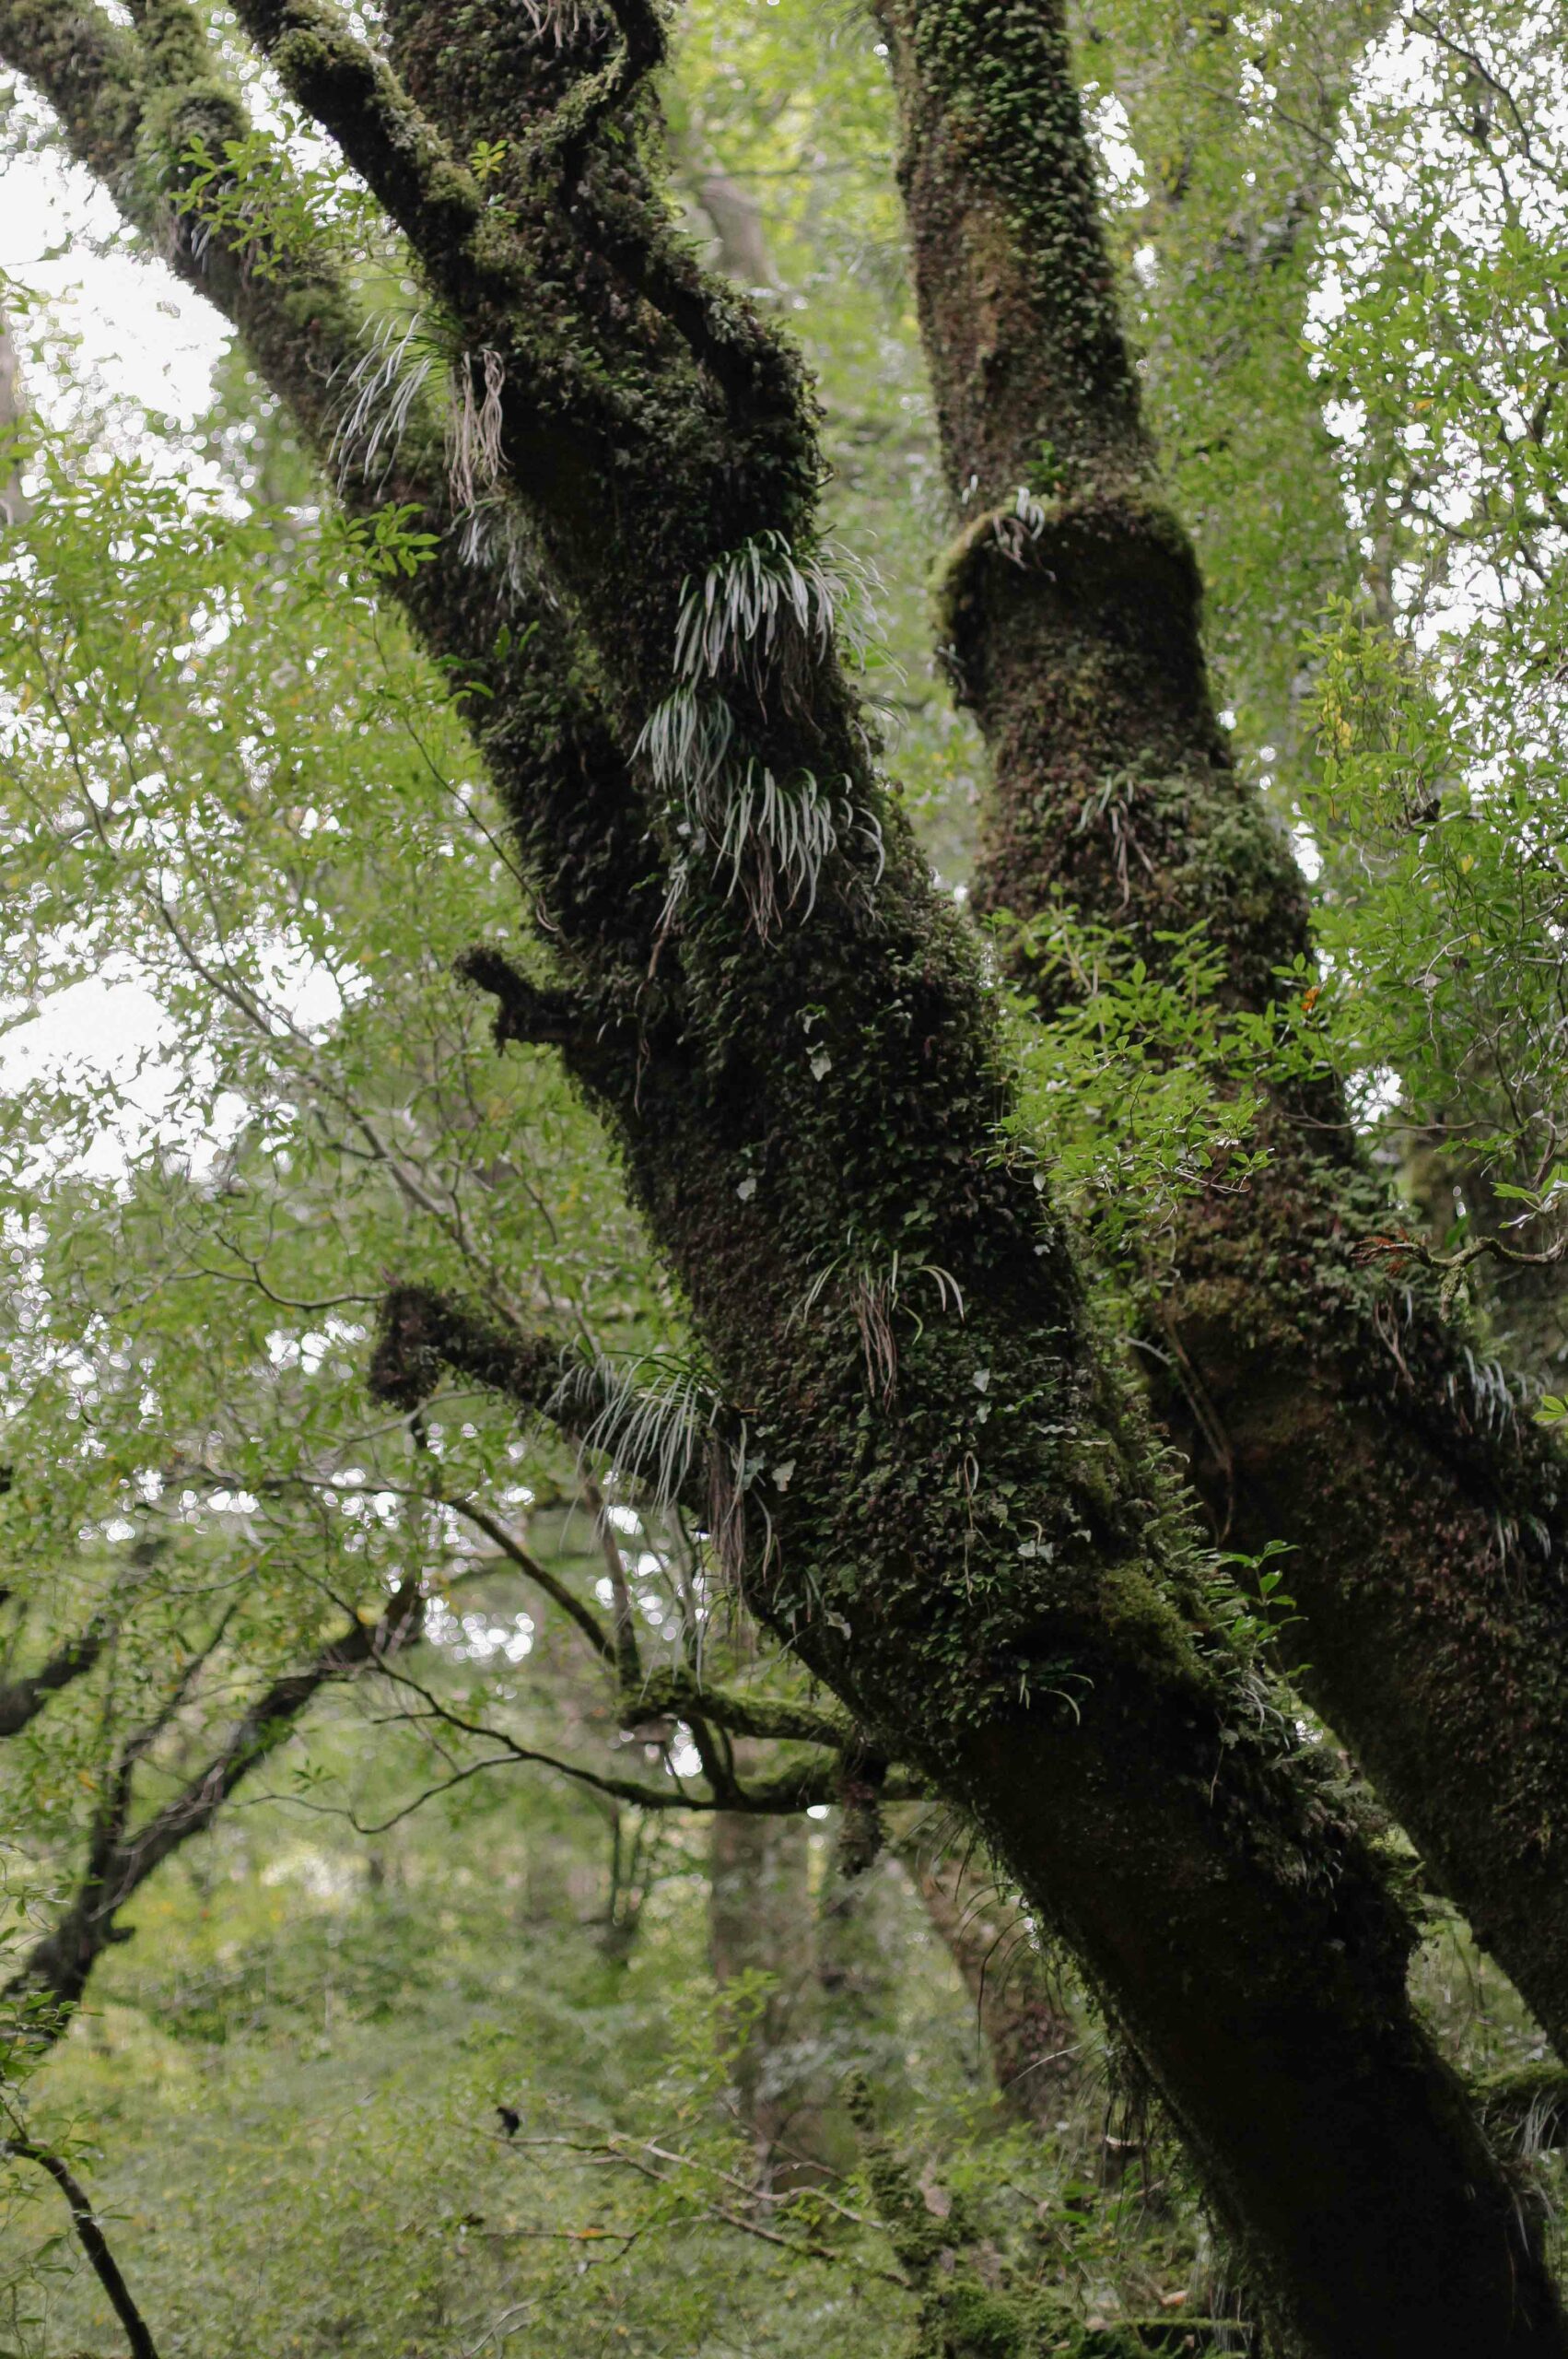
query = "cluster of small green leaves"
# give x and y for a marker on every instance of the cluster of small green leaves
(262, 196)
(1140, 1088)
(1246, 1598)
(1442, 822)
(196, 1227)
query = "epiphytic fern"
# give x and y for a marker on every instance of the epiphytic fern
(473, 428)
(1014, 530)
(376, 396)
(560, 24)
(652, 1430)
(756, 625)
(666, 1433)
(761, 619)
(686, 740)
(876, 1287)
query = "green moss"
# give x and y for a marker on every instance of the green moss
(976, 2324)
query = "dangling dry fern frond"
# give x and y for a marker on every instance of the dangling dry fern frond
(560, 24)
(379, 392)
(473, 428)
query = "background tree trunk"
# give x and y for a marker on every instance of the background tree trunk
(14, 502)
(760, 1923)
(1033, 2043)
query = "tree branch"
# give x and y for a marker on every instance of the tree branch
(1396, 1248)
(354, 94)
(676, 1695)
(91, 2239)
(793, 1786)
(22, 1699)
(592, 1629)
(138, 110)
(527, 1010)
(51, 1977)
(422, 1332)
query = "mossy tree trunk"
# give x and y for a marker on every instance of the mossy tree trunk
(955, 1518)
(1320, 1404)
(1220, 261)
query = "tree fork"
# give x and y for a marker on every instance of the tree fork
(1009, 1601)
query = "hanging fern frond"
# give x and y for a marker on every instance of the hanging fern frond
(763, 618)
(379, 392)
(755, 625)
(876, 1287)
(654, 1430)
(560, 24)
(775, 836)
(754, 610)
(473, 428)
(685, 740)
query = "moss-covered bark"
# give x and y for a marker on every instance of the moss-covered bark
(1321, 1404)
(928, 1472)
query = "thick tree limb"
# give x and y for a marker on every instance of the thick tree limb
(676, 1692)
(422, 1332)
(131, 108)
(22, 1699)
(526, 1011)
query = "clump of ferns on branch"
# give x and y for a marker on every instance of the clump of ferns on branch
(752, 634)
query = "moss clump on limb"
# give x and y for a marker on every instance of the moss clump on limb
(1320, 1406)
(975, 1549)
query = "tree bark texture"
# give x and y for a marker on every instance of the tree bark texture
(933, 1481)
(1321, 1404)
